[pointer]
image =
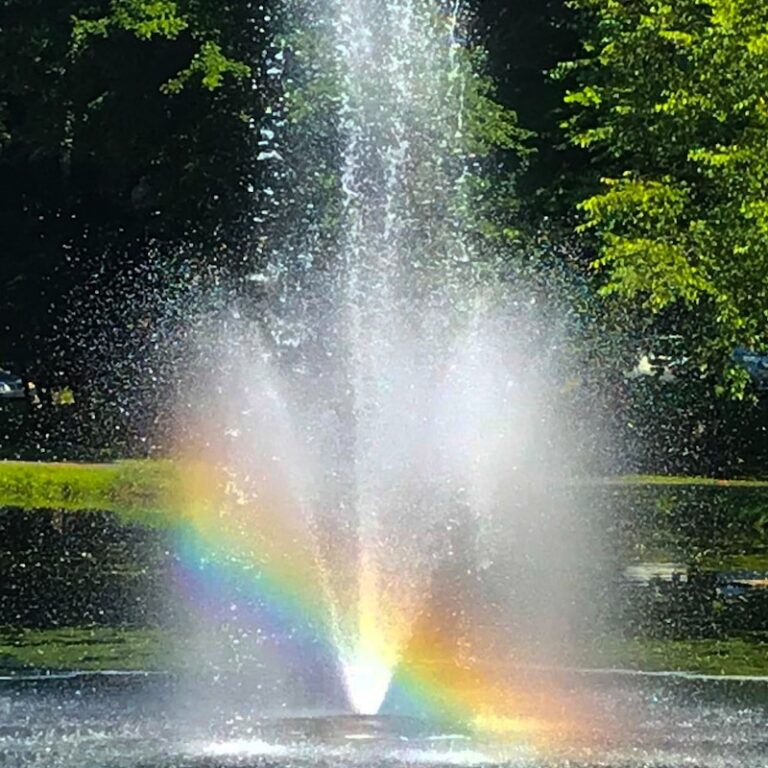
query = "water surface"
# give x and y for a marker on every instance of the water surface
(139, 722)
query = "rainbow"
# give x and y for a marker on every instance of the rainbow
(241, 556)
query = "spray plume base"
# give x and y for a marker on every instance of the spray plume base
(366, 679)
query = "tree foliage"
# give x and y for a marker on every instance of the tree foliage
(165, 19)
(129, 126)
(525, 42)
(672, 105)
(121, 122)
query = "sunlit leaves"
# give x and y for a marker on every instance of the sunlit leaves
(491, 126)
(659, 271)
(671, 100)
(164, 19)
(589, 96)
(212, 66)
(143, 19)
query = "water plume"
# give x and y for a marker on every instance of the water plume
(375, 431)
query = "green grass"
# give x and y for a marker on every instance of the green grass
(732, 656)
(142, 487)
(678, 481)
(156, 650)
(83, 649)
(139, 491)
(757, 562)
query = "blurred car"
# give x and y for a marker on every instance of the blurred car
(756, 365)
(666, 361)
(11, 386)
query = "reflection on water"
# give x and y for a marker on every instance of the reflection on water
(59, 570)
(64, 569)
(687, 567)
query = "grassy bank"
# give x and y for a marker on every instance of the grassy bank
(145, 649)
(82, 649)
(139, 491)
(721, 525)
(144, 485)
(678, 481)
(731, 656)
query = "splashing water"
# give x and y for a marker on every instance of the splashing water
(384, 424)
(366, 677)
(403, 265)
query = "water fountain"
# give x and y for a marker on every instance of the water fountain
(376, 515)
(384, 416)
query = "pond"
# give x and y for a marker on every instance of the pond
(127, 722)
(681, 584)
(97, 659)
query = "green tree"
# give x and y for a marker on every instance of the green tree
(525, 42)
(672, 105)
(169, 20)
(121, 122)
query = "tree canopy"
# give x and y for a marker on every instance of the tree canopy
(672, 105)
(620, 157)
(120, 122)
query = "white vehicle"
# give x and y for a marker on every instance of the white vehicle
(11, 386)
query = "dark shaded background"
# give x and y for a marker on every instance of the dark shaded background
(110, 187)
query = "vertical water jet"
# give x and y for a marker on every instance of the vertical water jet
(388, 419)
